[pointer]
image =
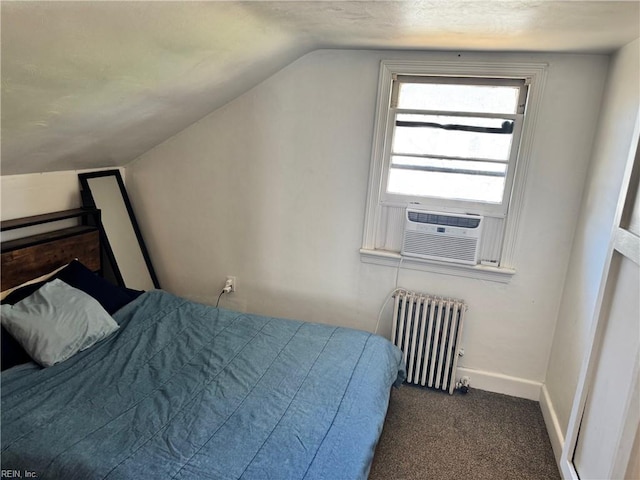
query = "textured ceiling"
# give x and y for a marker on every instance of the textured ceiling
(96, 84)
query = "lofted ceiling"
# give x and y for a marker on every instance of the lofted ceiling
(96, 84)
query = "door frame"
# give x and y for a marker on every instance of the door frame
(620, 241)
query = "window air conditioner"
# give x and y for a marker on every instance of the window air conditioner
(442, 236)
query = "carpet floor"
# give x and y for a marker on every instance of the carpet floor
(430, 434)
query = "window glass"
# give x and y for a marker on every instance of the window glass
(470, 181)
(454, 98)
(452, 138)
(468, 137)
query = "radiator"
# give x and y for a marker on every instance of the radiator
(428, 330)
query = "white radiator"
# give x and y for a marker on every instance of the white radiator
(428, 330)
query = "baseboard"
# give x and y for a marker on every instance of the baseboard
(553, 425)
(498, 383)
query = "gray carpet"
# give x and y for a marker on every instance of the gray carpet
(431, 435)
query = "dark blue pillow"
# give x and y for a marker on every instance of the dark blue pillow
(12, 352)
(110, 296)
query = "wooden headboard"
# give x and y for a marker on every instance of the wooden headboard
(26, 258)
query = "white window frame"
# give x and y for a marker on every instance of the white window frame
(438, 204)
(534, 75)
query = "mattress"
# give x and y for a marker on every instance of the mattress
(183, 390)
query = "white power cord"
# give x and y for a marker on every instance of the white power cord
(390, 296)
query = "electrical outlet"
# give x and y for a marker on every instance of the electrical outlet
(231, 282)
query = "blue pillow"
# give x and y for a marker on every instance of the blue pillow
(110, 296)
(56, 322)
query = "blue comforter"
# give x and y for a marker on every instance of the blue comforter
(187, 391)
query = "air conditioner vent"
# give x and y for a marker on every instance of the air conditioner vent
(442, 236)
(441, 219)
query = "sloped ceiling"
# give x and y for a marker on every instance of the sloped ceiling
(96, 84)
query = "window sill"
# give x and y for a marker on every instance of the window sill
(394, 259)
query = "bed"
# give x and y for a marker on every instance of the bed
(183, 390)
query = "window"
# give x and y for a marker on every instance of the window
(453, 141)
(451, 137)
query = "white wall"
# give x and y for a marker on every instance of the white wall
(271, 188)
(38, 193)
(602, 188)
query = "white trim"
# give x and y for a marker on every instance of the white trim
(372, 211)
(596, 335)
(394, 259)
(538, 74)
(535, 75)
(500, 383)
(457, 113)
(628, 244)
(630, 427)
(552, 423)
